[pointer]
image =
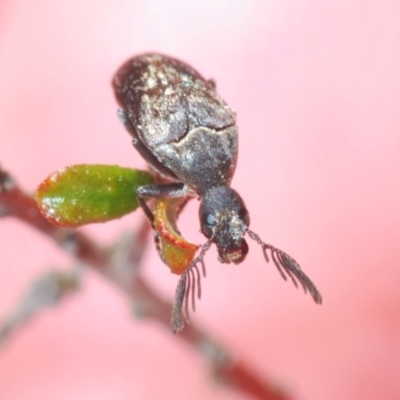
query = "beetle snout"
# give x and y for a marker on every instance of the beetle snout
(235, 252)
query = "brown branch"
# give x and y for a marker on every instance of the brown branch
(120, 265)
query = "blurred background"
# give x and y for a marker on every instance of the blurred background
(316, 87)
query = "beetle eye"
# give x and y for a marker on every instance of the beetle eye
(211, 220)
(208, 222)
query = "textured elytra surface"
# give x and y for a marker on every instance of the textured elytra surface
(167, 98)
(203, 159)
(180, 118)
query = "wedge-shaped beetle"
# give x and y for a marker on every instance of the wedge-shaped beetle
(188, 134)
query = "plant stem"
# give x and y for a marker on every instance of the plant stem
(226, 369)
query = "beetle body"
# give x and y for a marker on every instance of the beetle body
(179, 117)
(188, 134)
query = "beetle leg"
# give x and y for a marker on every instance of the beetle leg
(141, 148)
(161, 191)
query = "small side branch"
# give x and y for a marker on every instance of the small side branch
(49, 290)
(237, 375)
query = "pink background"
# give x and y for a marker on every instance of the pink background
(317, 91)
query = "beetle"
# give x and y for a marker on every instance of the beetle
(188, 135)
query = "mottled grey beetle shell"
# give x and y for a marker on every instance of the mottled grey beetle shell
(180, 118)
(185, 131)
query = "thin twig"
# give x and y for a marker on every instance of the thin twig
(237, 375)
(48, 290)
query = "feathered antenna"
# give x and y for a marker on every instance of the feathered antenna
(286, 264)
(188, 285)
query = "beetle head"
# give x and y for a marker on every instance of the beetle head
(224, 219)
